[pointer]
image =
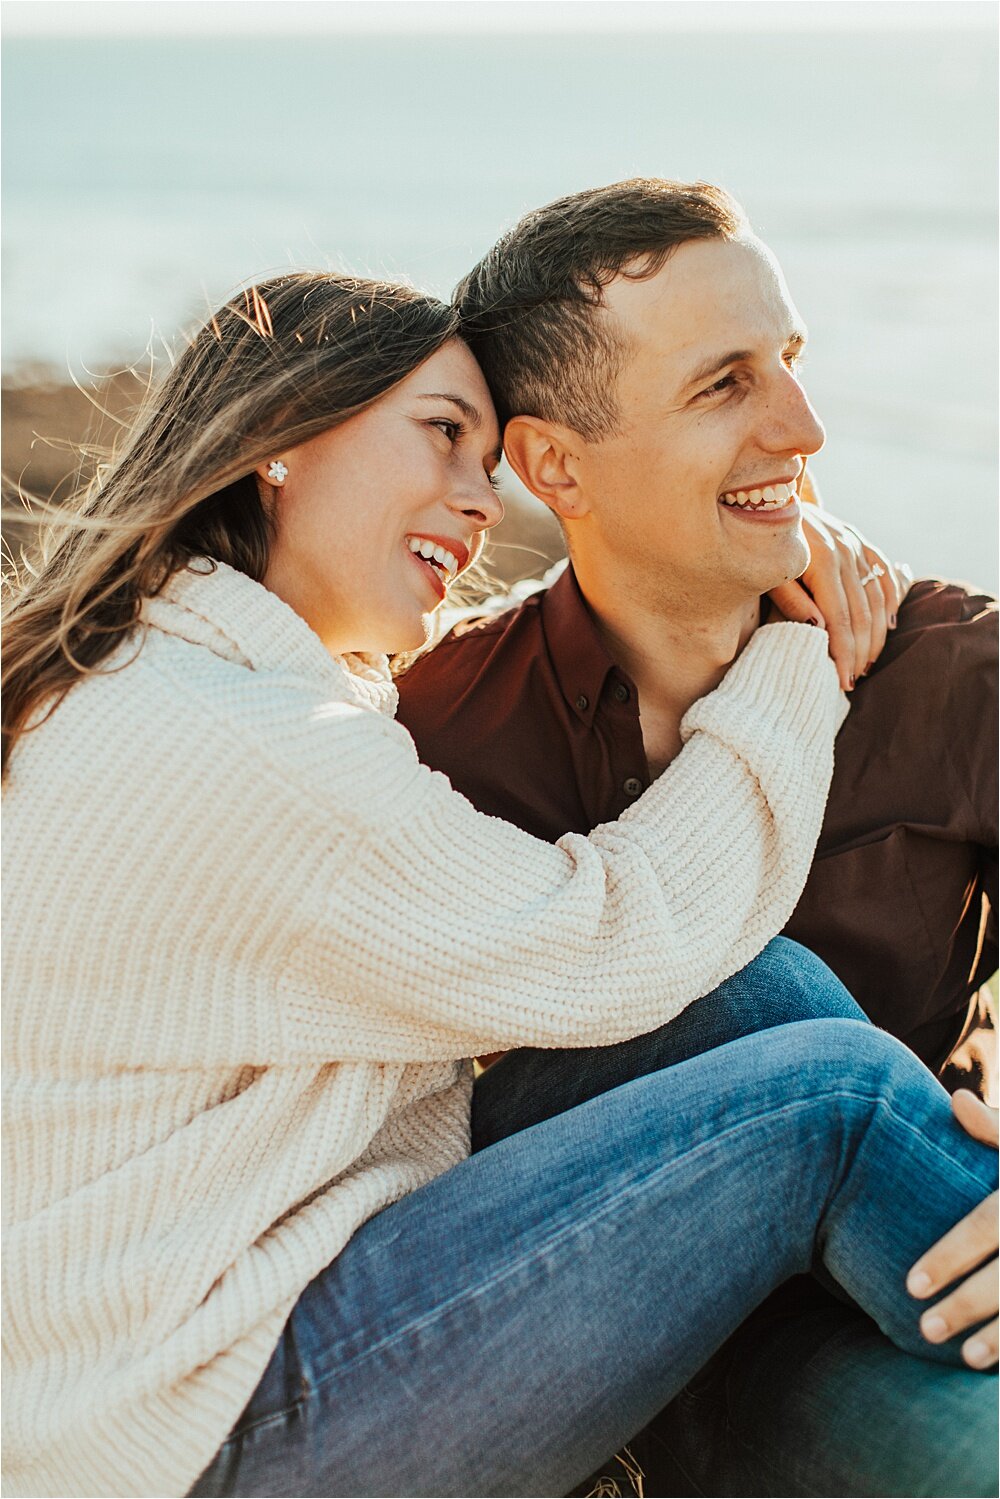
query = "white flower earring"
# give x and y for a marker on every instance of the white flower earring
(277, 472)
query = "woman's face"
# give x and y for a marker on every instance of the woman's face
(360, 502)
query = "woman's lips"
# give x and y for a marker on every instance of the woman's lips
(429, 573)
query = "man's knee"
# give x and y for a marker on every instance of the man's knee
(788, 983)
(785, 984)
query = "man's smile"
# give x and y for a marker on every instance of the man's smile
(764, 497)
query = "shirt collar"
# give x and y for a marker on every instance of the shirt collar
(211, 604)
(579, 657)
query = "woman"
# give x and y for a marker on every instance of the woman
(254, 940)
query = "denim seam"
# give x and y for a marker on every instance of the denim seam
(566, 1230)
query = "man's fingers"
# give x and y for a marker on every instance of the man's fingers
(972, 1303)
(981, 1349)
(961, 1250)
(976, 1117)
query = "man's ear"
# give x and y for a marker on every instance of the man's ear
(543, 456)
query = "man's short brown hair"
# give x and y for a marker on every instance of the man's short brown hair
(532, 308)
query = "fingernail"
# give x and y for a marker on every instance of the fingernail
(919, 1283)
(892, 621)
(934, 1328)
(812, 621)
(977, 1353)
(850, 684)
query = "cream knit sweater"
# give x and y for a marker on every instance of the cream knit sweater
(249, 941)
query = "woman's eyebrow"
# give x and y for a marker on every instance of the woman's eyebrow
(472, 414)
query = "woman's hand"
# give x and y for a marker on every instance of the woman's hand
(849, 587)
(968, 1244)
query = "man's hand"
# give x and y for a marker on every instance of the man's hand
(965, 1247)
(849, 587)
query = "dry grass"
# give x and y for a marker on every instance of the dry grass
(632, 1475)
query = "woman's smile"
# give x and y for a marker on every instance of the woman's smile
(415, 469)
(440, 558)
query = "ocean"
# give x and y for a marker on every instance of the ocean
(144, 178)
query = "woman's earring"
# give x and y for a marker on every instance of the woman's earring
(277, 472)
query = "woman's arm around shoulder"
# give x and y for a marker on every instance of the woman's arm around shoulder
(440, 932)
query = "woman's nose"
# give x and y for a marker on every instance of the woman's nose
(483, 511)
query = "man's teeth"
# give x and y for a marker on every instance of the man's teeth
(774, 497)
(434, 553)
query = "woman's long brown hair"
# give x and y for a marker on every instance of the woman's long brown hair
(279, 363)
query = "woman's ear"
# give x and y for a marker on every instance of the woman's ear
(543, 456)
(272, 471)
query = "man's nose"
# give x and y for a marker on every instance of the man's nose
(790, 423)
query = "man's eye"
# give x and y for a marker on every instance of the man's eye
(450, 428)
(720, 385)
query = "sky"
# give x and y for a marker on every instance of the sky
(51, 18)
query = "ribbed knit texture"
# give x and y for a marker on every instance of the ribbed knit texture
(249, 941)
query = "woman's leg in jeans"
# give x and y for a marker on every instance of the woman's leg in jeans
(505, 1327)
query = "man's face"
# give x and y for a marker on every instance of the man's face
(710, 408)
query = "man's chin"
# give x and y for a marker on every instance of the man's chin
(787, 568)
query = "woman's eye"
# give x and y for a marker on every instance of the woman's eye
(495, 482)
(450, 428)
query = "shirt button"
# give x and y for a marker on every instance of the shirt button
(583, 703)
(632, 787)
(621, 693)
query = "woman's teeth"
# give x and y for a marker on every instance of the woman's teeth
(439, 556)
(774, 497)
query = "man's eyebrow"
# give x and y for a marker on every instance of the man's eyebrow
(472, 414)
(793, 344)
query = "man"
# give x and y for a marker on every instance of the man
(642, 347)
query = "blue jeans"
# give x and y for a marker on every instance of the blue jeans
(808, 1396)
(503, 1329)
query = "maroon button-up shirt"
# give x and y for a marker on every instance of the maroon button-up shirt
(530, 718)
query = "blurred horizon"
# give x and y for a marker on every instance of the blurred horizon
(147, 176)
(416, 17)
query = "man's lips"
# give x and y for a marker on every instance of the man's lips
(776, 498)
(789, 512)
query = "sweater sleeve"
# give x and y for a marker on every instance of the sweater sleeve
(442, 932)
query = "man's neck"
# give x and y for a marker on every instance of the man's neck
(675, 649)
